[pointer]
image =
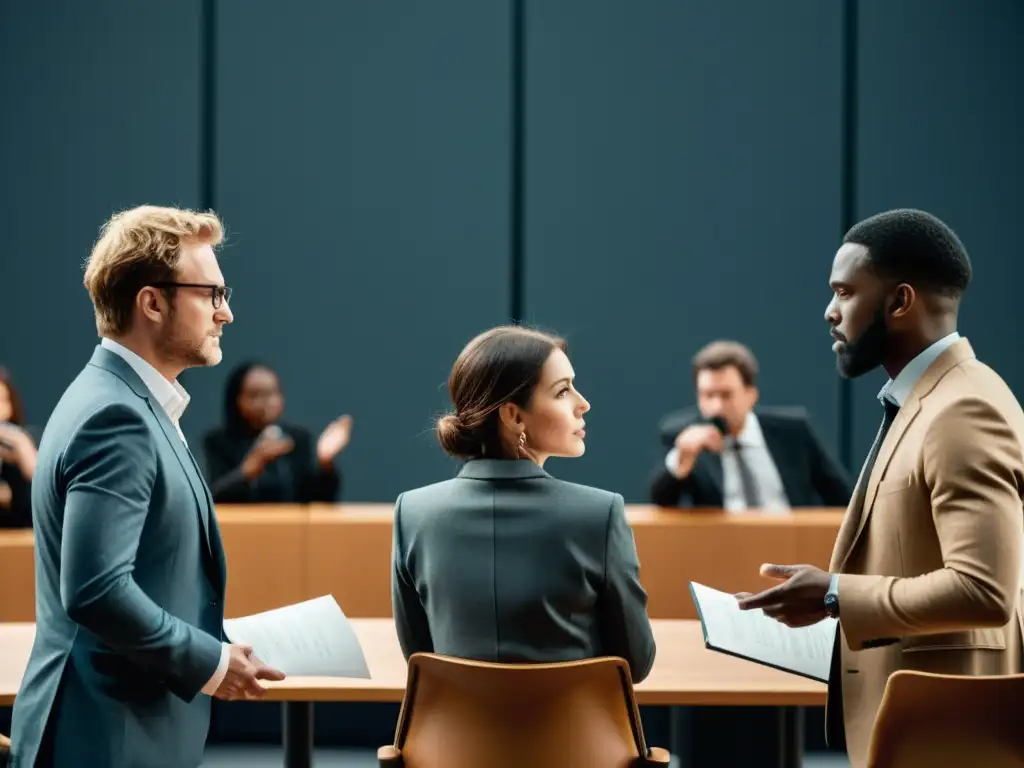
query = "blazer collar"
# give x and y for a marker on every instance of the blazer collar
(117, 365)
(954, 354)
(898, 390)
(171, 396)
(501, 469)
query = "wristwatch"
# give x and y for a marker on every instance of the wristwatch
(832, 598)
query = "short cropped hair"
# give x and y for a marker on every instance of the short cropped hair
(724, 354)
(136, 248)
(916, 248)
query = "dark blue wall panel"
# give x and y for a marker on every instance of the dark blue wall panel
(682, 178)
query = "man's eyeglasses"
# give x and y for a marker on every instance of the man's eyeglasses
(218, 293)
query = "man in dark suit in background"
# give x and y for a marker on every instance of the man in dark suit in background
(725, 453)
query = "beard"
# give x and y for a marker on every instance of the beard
(867, 351)
(177, 344)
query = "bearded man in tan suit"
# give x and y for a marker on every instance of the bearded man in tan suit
(926, 569)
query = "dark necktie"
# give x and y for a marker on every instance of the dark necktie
(857, 503)
(748, 483)
(891, 410)
(848, 530)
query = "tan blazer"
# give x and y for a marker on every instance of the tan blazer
(930, 563)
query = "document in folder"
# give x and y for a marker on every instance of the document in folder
(805, 651)
(310, 638)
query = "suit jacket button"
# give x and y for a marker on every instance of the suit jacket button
(213, 603)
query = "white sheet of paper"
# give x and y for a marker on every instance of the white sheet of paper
(311, 638)
(804, 651)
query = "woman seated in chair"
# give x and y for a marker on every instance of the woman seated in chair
(253, 458)
(17, 458)
(505, 563)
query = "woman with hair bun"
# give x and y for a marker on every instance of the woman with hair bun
(504, 562)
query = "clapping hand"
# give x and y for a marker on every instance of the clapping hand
(334, 439)
(263, 452)
(16, 447)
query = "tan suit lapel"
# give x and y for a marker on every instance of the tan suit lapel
(849, 527)
(861, 505)
(899, 427)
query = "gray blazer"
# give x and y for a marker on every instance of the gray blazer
(130, 578)
(505, 563)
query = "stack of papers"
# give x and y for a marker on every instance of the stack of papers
(750, 635)
(312, 638)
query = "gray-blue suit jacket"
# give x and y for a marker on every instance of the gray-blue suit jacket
(130, 577)
(505, 563)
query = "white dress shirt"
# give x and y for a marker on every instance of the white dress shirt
(174, 400)
(898, 390)
(762, 466)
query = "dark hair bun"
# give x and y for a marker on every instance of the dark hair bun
(456, 439)
(498, 366)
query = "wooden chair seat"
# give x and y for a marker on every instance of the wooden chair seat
(469, 714)
(933, 721)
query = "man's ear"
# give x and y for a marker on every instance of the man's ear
(152, 304)
(903, 299)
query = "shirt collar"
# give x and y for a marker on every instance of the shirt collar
(751, 435)
(898, 390)
(171, 395)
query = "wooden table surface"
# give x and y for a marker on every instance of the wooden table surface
(283, 554)
(685, 673)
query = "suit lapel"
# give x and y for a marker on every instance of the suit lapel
(204, 507)
(109, 361)
(713, 469)
(851, 520)
(892, 440)
(217, 552)
(213, 529)
(790, 472)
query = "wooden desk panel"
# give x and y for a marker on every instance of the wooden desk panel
(17, 576)
(816, 538)
(15, 647)
(684, 673)
(721, 551)
(279, 555)
(266, 550)
(350, 557)
(350, 548)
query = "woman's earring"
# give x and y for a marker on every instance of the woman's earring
(522, 440)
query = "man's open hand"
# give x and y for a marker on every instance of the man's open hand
(798, 601)
(245, 670)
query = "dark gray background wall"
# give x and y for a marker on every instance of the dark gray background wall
(941, 103)
(681, 170)
(682, 184)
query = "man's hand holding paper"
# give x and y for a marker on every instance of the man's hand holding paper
(751, 635)
(245, 670)
(798, 601)
(309, 638)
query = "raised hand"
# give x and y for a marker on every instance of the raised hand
(334, 439)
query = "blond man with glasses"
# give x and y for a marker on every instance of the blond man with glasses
(130, 570)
